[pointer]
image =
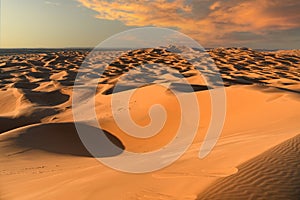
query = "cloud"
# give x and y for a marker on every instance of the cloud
(208, 21)
(258, 15)
(215, 5)
(52, 3)
(137, 13)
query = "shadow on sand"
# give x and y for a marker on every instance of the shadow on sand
(62, 138)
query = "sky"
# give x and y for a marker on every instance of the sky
(259, 24)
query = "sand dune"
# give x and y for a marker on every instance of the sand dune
(245, 66)
(272, 175)
(60, 138)
(42, 156)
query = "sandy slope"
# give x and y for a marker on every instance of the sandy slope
(42, 156)
(272, 175)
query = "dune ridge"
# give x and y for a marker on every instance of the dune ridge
(272, 175)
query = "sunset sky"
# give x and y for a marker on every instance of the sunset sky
(271, 24)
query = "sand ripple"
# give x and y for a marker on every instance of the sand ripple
(274, 174)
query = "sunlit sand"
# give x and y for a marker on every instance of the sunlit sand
(42, 156)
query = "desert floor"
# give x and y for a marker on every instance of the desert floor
(256, 156)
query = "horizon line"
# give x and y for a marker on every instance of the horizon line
(86, 48)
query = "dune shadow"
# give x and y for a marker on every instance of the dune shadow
(62, 138)
(7, 124)
(288, 90)
(25, 85)
(120, 88)
(47, 98)
(179, 87)
(182, 87)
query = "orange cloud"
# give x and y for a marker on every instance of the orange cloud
(219, 18)
(259, 15)
(137, 13)
(215, 5)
